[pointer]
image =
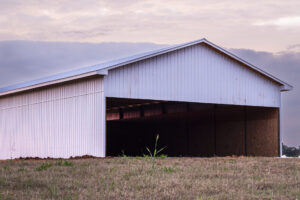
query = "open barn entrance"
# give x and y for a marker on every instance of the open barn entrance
(190, 129)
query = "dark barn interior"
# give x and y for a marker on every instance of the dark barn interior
(190, 129)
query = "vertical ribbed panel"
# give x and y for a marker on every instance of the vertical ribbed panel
(59, 121)
(194, 74)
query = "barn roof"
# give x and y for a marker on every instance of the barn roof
(103, 68)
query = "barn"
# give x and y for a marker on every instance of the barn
(201, 99)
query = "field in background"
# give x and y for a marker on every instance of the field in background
(135, 178)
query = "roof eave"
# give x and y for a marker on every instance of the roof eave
(52, 82)
(285, 88)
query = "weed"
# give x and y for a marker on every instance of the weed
(65, 163)
(68, 163)
(232, 161)
(112, 186)
(168, 169)
(44, 166)
(139, 157)
(7, 168)
(156, 151)
(123, 154)
(163, 156)
(257, 178)
(21, 169)
(101, 180)
(59, 162)
(53, 190)
(2, 181)
(111, 170)
(85, 164)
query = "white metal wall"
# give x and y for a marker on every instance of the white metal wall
(58, 122)
(194, 74)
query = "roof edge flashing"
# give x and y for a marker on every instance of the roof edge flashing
(48, 83)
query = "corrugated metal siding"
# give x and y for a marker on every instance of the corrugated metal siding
(59, 122)
(194, 74)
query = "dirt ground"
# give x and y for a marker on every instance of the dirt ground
(138, 178)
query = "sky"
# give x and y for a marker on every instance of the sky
(39, 38)
(268, 25)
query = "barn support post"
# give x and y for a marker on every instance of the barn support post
(245, 130)
(187, 130)
(104, 128)
(279, 133)
(215, 130)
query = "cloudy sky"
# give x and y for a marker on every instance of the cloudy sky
(39, 37)
(268, 25)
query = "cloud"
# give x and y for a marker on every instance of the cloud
(294, 47)
(27, 60)
(166, 22)
(285, 22)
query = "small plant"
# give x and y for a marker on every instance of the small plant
(65, 163)
(7, 168)
(155, 152)
(44, 166)
(68, 163)
(257, 178)
(59, 162)
(2, 181)
(21, 169)
(111, 170)
(101, 180)
(53, 190)
(168, 169)
(123, 154)
(112, 186)
(163, 156)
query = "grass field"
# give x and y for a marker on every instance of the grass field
(136, 178)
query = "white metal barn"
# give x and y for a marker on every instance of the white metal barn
(201, 100)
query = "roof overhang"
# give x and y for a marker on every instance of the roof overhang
(285, 88)
(50, 82)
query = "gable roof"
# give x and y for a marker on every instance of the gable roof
(103, 68)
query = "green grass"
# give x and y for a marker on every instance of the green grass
(135, 178)
(44, 166)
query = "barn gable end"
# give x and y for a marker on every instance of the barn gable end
(196, 73)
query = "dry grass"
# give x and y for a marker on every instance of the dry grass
(134, 178)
